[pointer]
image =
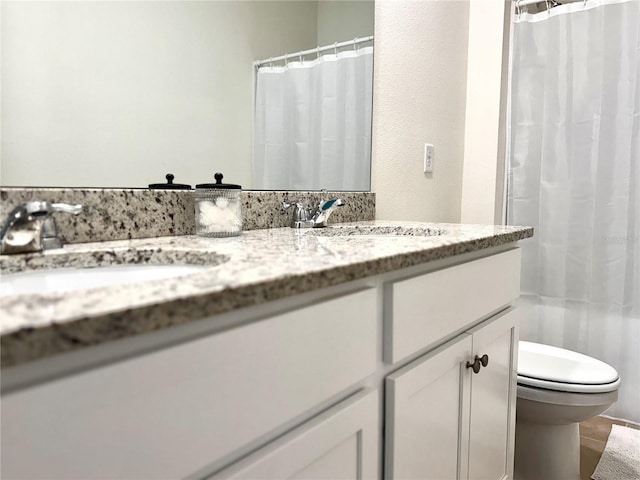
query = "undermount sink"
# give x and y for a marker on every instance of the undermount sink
(377, 231)
(68, 272)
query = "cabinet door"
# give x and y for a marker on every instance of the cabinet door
(493, 399)
(427, 415)
(341, 443)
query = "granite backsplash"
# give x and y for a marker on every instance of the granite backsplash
(121, 214)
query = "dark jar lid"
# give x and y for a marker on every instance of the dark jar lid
(218, 184)
(169, 185)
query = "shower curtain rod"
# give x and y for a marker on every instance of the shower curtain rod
(302, 53)
(524, 3)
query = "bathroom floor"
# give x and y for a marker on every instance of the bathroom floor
(593, 437)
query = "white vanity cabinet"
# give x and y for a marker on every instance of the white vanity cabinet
(443, 420)
(325, 385)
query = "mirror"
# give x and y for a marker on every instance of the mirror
(118, 94)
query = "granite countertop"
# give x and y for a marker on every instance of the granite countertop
(256, 267)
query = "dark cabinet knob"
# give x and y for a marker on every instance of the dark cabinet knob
(484, 359)
(478, 363)
(475, 365)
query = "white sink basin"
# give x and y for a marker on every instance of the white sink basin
(72, 279)
(74, 271)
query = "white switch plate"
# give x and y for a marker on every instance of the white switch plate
(429, 154)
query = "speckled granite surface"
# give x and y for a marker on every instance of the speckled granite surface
(259, 266)
(119, 214)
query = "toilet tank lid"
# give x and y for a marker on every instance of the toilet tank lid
(545, 362)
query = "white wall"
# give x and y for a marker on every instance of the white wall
(419, 97)
(483, 176)
(344, 20)
(120, 93)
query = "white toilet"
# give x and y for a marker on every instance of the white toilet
(557, 389)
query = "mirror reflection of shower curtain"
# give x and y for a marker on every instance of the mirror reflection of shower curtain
(312, 127)
(575, 177)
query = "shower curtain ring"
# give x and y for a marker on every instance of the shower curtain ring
(335, 48)
(355, 41)
(317, 52)
(271, 61)
(546, 2)
(518, 8)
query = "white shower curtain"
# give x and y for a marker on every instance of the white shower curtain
(574, 176)
(312, 127)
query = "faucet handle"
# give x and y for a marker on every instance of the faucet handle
(298, 204)
(66, 208)
(324, 211)
(286, 203)
(331, 203)
(39, 208)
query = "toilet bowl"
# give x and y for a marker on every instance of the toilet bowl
(557, 389)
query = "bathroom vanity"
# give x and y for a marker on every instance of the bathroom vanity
(364, 350)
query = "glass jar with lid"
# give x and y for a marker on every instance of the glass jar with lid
(218, 209)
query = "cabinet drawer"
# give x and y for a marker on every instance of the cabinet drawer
(422, 310)
(340, 443)
(172, 412)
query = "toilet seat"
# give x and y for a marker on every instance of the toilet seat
(568, 387)
(557, 369)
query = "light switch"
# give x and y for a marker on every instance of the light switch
(429, 154)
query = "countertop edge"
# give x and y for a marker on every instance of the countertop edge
(31, 343)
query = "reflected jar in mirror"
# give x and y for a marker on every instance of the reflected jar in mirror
(218, 209)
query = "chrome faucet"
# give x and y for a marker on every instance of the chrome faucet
(306, 217)
(30, 227)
